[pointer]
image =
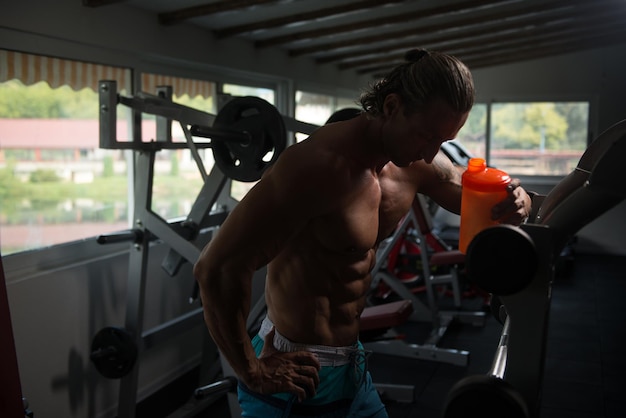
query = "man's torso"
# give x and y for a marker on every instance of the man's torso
(317, 286)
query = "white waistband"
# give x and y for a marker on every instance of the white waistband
(327, 355)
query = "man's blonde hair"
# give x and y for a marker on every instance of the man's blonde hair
(425, 76)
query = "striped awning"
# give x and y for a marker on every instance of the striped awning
(31, 69)
(57, 72)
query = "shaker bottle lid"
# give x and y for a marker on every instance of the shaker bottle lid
(482, 178)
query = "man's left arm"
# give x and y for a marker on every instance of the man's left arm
(442, 181)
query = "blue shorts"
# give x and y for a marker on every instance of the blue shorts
(345, 390)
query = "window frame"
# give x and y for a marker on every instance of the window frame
(592, 125)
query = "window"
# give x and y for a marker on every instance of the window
(530, 138)
(473, 134)
(237, 90)
(538, 138)
(56, 184)
(317, 108)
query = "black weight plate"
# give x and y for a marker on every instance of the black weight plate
(484, 396)
(501, 259)
(113, 352)
(268, 138)
(497, 309)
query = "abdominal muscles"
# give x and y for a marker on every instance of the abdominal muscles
(316, 294)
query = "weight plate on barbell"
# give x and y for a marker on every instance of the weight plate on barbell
(113, 352)
(501, 259)
(268, 138)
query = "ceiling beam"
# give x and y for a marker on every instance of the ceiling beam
(538, 39)
(559, 47)
(490, 29)
(302, 17)
(530, 35)
(177, 16)
(526, 51)
(502, 14)
(378, 22)
(98, 3)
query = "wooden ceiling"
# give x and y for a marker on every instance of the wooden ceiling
(371, 36)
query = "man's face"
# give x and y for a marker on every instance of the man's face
(419, 135)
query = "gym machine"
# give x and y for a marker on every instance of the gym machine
(516, 265)
(246, 137)
(433, 252)
(417, 227)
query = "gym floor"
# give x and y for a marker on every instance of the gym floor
(585, 362)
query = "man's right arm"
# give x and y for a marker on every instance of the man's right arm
(254, 232)
(225, 294)
(225, 291)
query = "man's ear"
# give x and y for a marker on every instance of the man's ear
(392, 104)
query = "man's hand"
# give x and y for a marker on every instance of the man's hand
(515, 209)
(295, 372)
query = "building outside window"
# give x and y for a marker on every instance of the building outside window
(56, 184)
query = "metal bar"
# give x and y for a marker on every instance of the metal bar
(194, 152)
(528, 315)
(381, 256)
(107, 96)
(155, 105)
(399, 348)
(199, 212)
(217, 388)
(426, 274)
(162, 229)
(132, 235)
(295, 125)
(164, 125)
(207, 197)
(135, 296)
(222, 134)
(498, 366)
(169, 329)
(154, 145)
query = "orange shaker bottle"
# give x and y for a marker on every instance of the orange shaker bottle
(483, 188)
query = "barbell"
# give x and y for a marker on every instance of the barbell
(246, 136)
(249, 134)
